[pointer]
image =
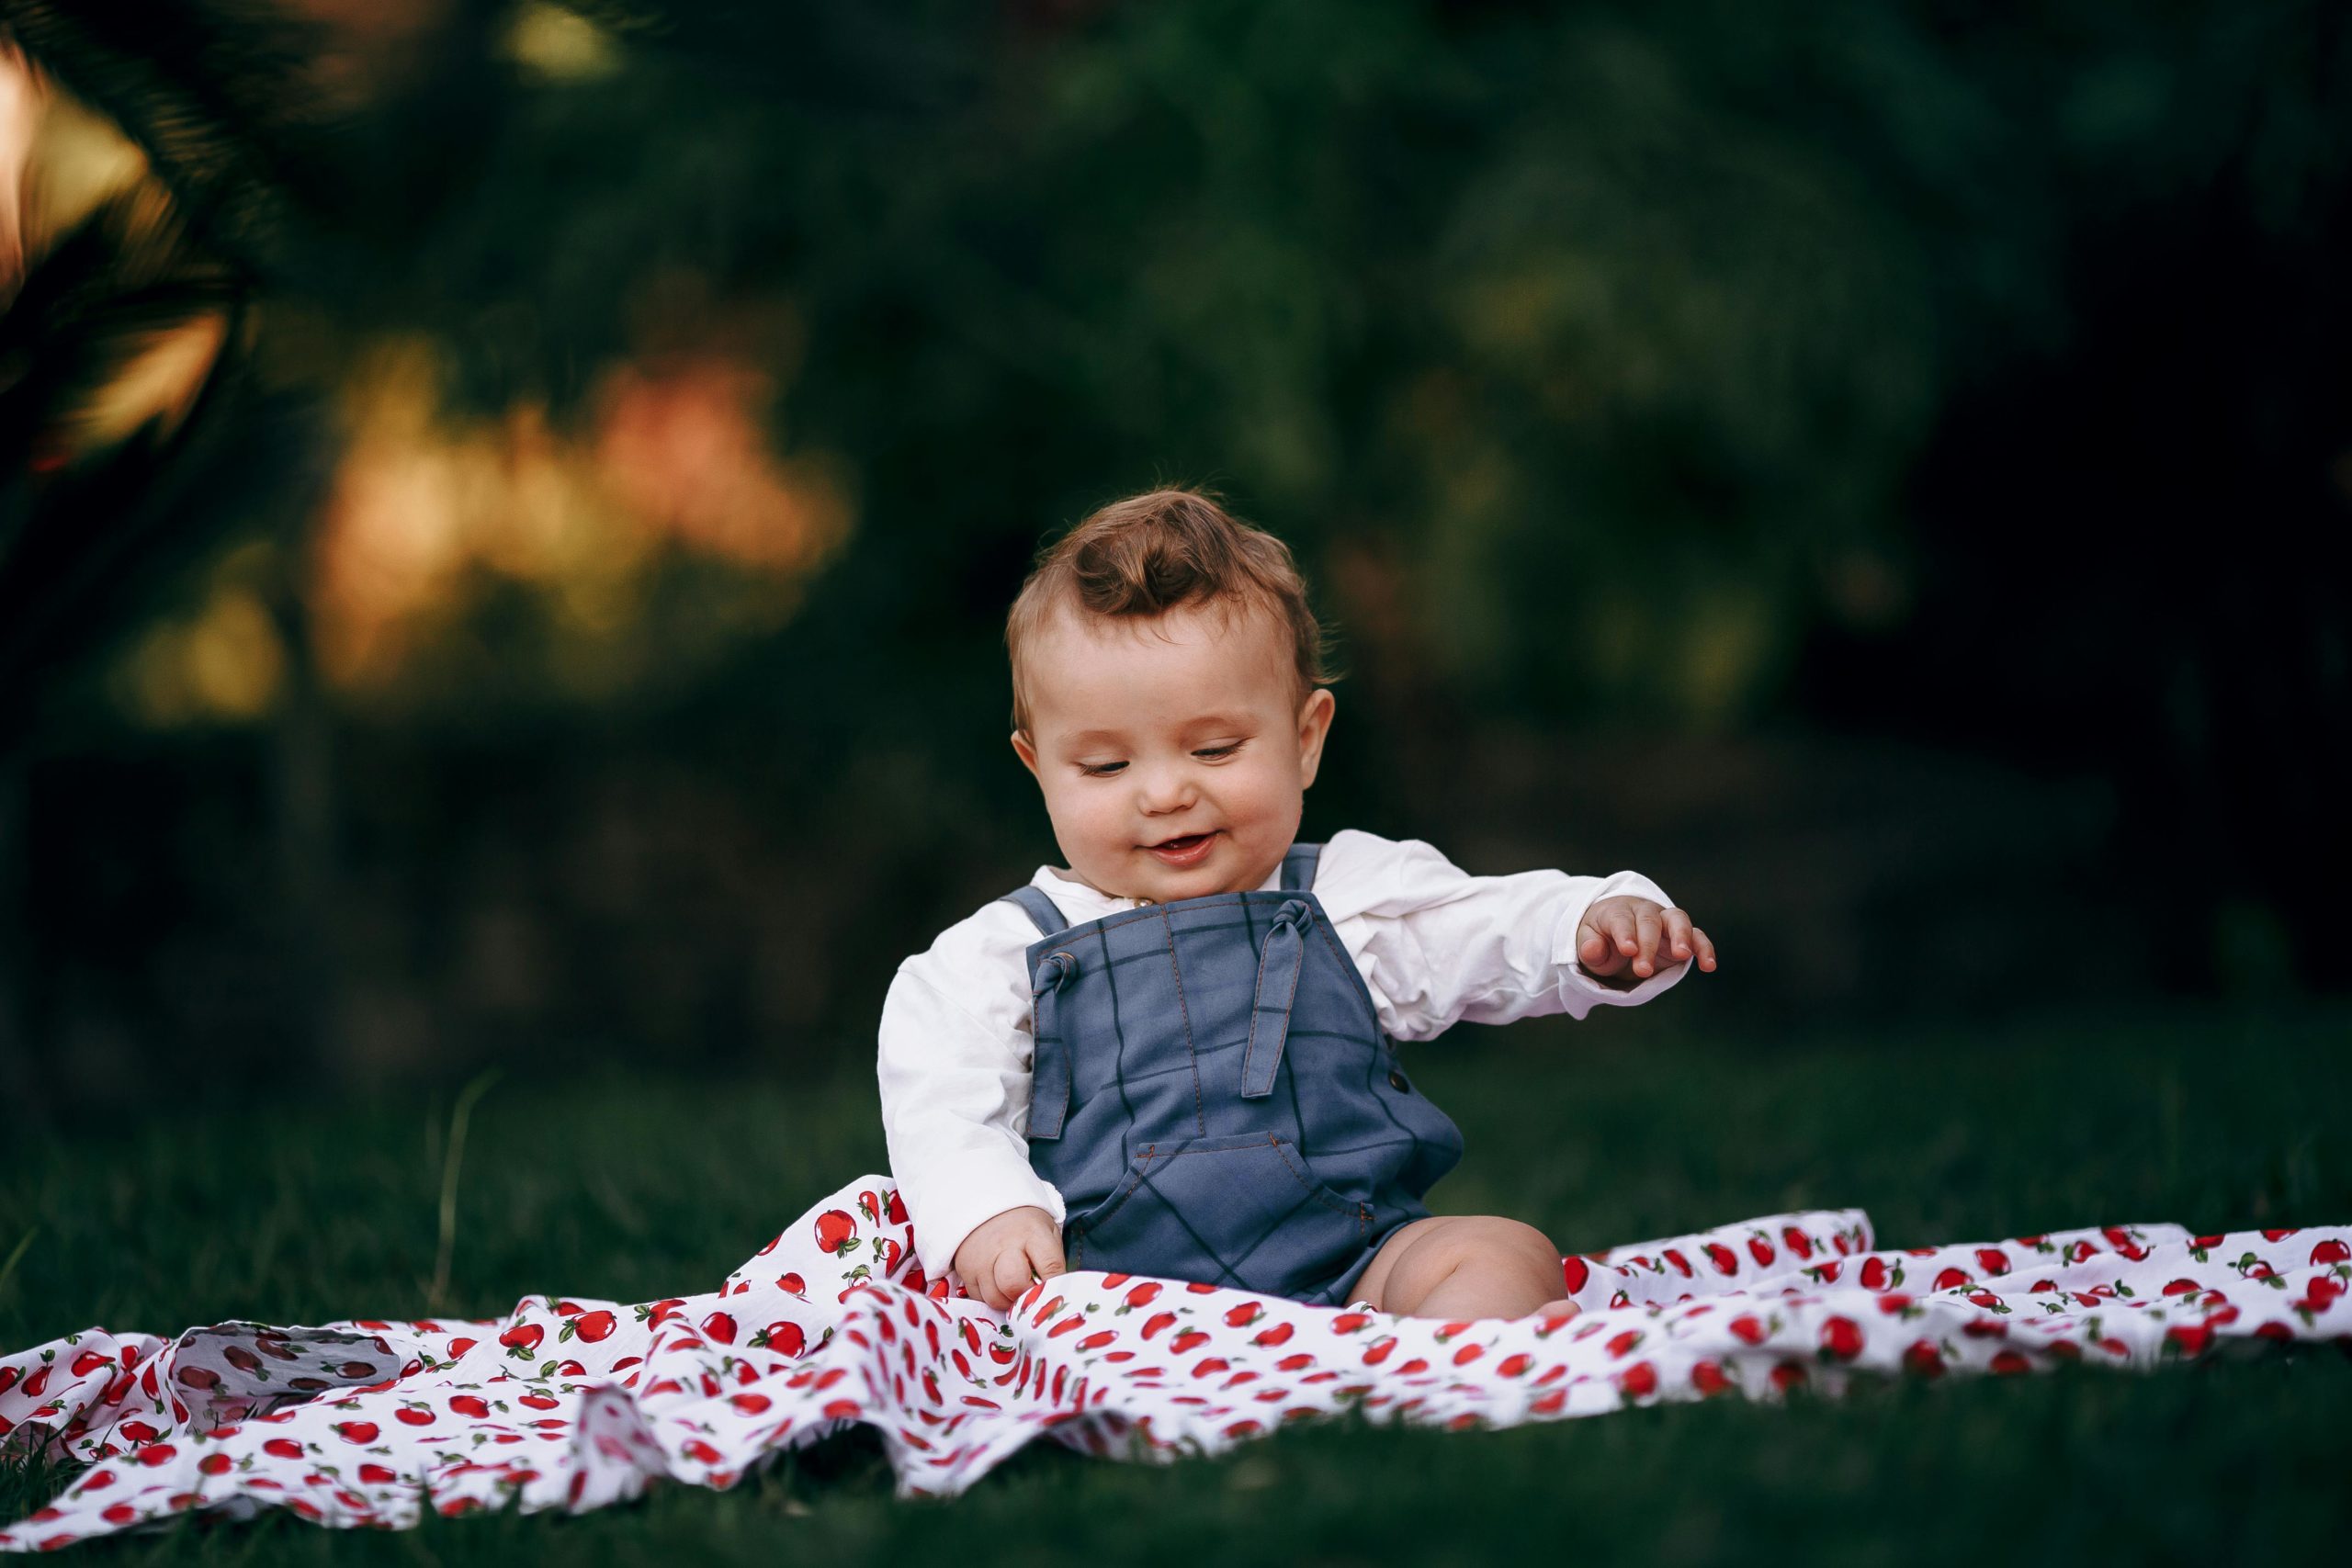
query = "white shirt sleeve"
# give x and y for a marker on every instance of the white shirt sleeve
(954, 1069)
(1438, 946)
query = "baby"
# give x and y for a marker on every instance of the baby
(1176, 1058)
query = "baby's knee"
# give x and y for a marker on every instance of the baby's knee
(1496, 1238)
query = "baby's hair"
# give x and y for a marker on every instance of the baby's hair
(1155, 552)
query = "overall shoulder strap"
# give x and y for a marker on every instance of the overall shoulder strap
(1298, 867)
(1040, 908)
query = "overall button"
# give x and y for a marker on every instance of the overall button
(1397, 1081)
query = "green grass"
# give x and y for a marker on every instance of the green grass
(636, 1187)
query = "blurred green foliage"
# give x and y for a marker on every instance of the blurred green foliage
(1957, 375)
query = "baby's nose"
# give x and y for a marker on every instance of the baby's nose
(1165, 791)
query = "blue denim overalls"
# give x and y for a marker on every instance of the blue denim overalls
(1213, 1097)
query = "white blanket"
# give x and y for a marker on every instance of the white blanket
(575, 1404)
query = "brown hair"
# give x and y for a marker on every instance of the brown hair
(1155, 552)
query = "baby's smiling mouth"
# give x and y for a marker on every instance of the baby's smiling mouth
(1183, 846)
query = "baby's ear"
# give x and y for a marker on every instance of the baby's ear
(1027, 752)
(1314, 726)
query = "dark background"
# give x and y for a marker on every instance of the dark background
(1880, 468)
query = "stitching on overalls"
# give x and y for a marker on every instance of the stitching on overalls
(1199, 1112)
(1363, 991)
(1330, 1200)
(1136, 1169)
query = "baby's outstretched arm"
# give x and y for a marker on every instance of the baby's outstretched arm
(1629, 933)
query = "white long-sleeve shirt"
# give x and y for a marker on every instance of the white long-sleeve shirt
(1436, 945)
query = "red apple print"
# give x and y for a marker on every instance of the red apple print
(1575, 1271)
(237, 1356)
(895, 1209)
(8, 1378)
(2277, 1235)
(594, 1328)
(701, 1452)
(2181, 1288)
(1378, 1350)
(792, 1284)
(1923, 1360)
(1638, 1381)
(1512, 1366)
(194, 1376)
(1797, 1242)
(1761, 1250)
(1950, 1279)
(538, 1400)
(1096, 1340)
(1681, 1264)
(472, 1407)
(217, 1465)
(1991, 1261)
(1277, 1335)
(1875, 1274)
(1187, 1340)
(1242, 1317)
(1747, 1329)
(836, 1231)
(719, 1329)
(139, 1431)
(1209, 1366)
(1709, 1380)
(2189, 1339)
(1349, 1322)
(2331, 1251)
(89, 1361)
(523, 1336)
(2009, 1364)
(360, 1432)
(750, 1404)
(1788, 1375)
(1841, 1337)
(1726, 1260)
(458, 1347)
(783, 1337)
(410, 1416)
(1622, 1343)
(374, 1474)
(284, 1447)
(1143, 1295)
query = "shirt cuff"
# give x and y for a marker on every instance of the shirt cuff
(953, 1210)
(1579, 992)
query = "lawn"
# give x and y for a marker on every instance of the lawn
(641, 1185)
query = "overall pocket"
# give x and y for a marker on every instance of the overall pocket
(1244, 1212)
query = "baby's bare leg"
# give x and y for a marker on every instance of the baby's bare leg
(1463, 1266)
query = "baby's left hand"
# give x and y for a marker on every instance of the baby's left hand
(1627, 933)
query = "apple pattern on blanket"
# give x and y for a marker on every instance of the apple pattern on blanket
(576, 1403)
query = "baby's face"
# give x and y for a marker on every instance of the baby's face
(1171, 755)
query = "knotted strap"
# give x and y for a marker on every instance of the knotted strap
(1278, 966)
(1049, 1058)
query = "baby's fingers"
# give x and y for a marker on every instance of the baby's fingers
(1703, 948)
(1645, 932)
(1007, 1276)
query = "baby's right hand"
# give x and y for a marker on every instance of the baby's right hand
(997, 1261)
